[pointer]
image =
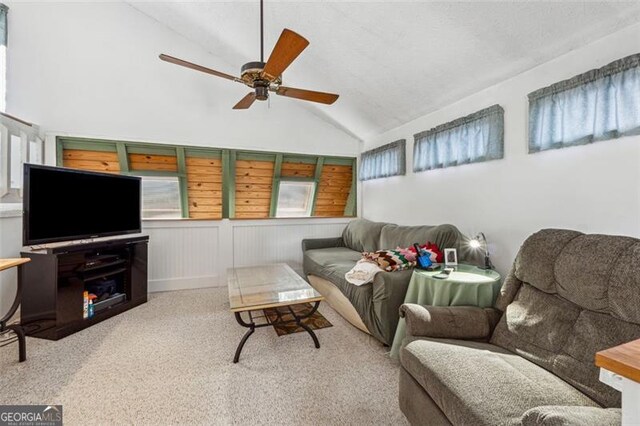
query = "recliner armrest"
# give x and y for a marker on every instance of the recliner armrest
(320, 243)
(558, 415)
(449, 322)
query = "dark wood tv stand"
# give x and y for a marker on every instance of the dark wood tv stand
(52, 284)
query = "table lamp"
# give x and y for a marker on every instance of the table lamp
(477, 243)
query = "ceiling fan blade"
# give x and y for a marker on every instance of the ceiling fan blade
(307, 95)
(246, 102)
(286, 50)
(197, 67)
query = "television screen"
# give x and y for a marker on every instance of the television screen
(64, 204)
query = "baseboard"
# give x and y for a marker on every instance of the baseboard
(187, 283)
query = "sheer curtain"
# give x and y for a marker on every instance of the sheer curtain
(387, 160)
(471, 139)
(597, 105)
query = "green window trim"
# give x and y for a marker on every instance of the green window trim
(228, 159)
(228, 184)
(275, 185)
(123, 157)
(182, 181)
(351, 209)
(316, 178)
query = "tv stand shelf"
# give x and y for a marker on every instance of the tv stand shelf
(54, 281)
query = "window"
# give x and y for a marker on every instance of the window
(600, 104)
(3, 56)
(387, 160)
(19, 143)
(15, 159)
(471, 139)
(295, 198)
(35, 151)
(161, 198)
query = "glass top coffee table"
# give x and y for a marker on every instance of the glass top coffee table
(255, 288)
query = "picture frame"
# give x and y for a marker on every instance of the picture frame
(450, 257)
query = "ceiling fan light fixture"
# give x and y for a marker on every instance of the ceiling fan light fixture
(264, 77)
(262, 91)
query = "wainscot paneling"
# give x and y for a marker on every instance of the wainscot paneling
(273, 241)
(194, 254)
(183, 254)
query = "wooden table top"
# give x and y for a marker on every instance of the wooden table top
(623, 360)
(10, 263)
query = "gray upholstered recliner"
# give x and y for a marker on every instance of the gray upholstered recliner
(530, 360)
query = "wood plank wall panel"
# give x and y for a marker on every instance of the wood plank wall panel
(254, 180)
(167, 163)
(96, 161)
(333, 190)
(297, 170)
(204, 186)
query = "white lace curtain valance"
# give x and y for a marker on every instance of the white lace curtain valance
(385, 161)
(471, 139)
(600, 104)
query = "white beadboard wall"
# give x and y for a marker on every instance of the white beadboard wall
(183, 254)
(277, 242)
(194, 254)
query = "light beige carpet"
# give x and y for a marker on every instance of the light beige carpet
(169, 362)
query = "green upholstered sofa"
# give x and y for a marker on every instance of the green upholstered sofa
(371, 307)
(530, 360)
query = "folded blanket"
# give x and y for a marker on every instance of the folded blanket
(363, 272)
(388, 260)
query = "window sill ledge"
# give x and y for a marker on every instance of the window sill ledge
(6, 212)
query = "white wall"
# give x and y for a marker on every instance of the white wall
(593, 188)
(91, 69)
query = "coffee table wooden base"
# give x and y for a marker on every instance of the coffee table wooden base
(252, 326)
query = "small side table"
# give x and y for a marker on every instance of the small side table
(17, 328)
(620, 369)
(468, 285)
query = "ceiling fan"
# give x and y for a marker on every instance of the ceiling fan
(267, 77)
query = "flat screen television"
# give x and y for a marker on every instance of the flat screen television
(64, 204)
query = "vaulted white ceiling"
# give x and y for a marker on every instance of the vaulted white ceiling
(391, 62)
